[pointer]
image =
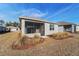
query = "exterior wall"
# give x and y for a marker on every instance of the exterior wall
(77, 27)
(73, 28)
(55, 29)
(47, 29)
(60, 29)
(23, 27)
(14, 29)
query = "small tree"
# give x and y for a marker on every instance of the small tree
(15, 24)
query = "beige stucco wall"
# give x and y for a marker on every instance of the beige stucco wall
(47, 29)
(60, 29)
(23, 27)
(73, 28)
(55, 29)
(77, 28)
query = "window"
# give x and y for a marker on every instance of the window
(51, 26)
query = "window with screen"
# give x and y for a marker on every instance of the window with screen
(51, 26)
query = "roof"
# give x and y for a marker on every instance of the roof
(43, 20)
(65, 23)
(34, 19)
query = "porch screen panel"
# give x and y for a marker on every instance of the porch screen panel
(31, 27)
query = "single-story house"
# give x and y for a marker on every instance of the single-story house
(30, 26)
(2, 27)
(12, 28)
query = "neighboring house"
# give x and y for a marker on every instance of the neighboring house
(2, 29)
(66, 27)
(30, 26)
(12, 28)
(2, 26)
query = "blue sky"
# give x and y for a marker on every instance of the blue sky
(52, 12)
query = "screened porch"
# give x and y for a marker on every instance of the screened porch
(34, 27)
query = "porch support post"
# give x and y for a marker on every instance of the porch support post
(47, 28)
(23, 27)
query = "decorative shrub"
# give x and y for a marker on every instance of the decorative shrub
(36, 39)
(36, 36)
(27, 42)
(61, 35)
(24, 40)
(77, 32)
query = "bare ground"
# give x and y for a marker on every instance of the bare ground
(51, 47)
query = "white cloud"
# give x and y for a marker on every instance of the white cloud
(60, 11)
(2, 16)
(28, 12)
(31, 12)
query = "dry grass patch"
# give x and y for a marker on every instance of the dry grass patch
(27, 42)
(49, 47)
(61, 35)
(77, 32)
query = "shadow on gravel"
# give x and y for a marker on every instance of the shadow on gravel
(3, 32)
